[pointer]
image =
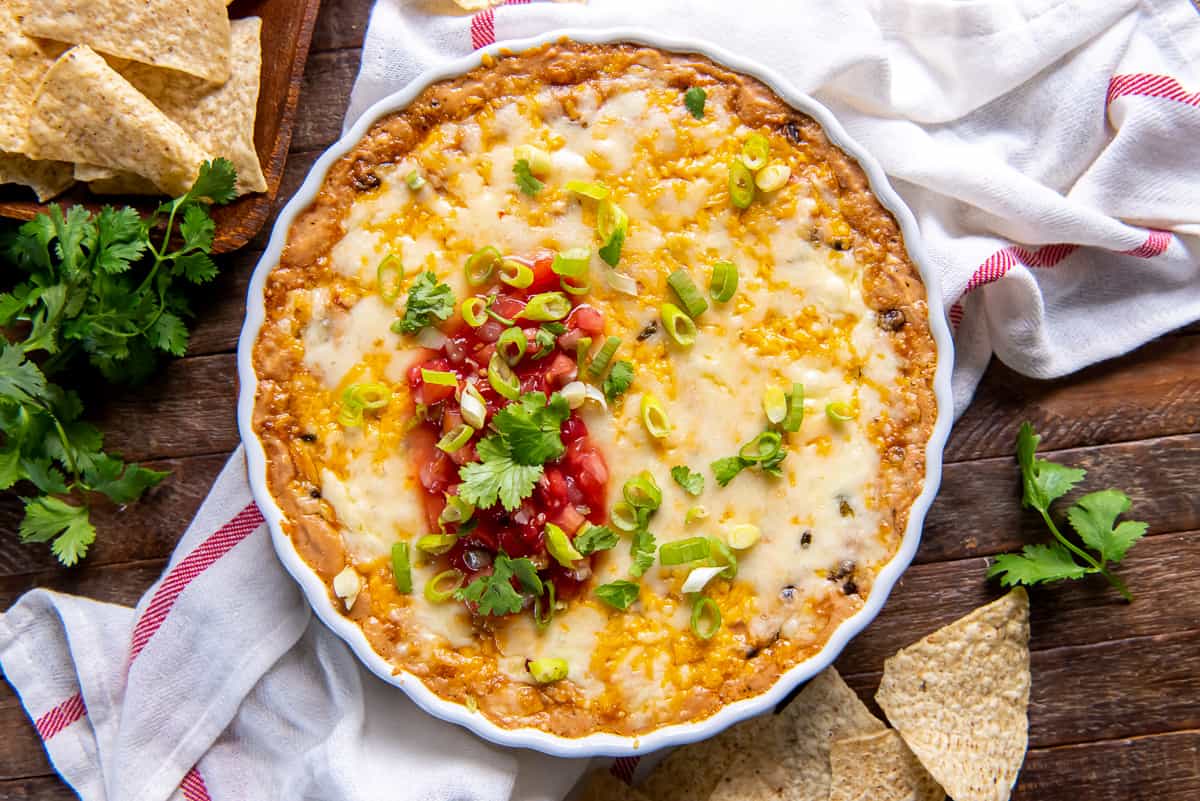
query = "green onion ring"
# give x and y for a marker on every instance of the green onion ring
(543, 620)
(705, 607)
(456, 510)
(474, 311)
(495, 315)
(392, 267)
(762, 448)
(680, 327)
(441, 587)
(795, 412)
(755, 152)
(589, 189)
(548, 669)
(572, 263)
(603, 357)
(571, 288)
(641, 492)
(610, 218)
(442, 378)
(654, 417)
(546, 306)
(436, 544)
(516, 274)
(581, 350)
(680, 552)
(689, 296)
(560, 547)
(741, 185)
(512, 344)
(480, 265)
(840, 412)
(624, 517)
(720, 550)
(401, 568)
(502, 378)
(724, 281)
(455, 438)
(414, 180)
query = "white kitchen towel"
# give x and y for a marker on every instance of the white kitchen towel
(1052, 145)
(222, 686)
(1050, 149)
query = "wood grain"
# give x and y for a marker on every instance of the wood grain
(1161, 767)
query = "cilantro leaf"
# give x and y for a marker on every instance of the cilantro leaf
(618, 380)
(197, 228)
(1093, 517)
(44, 475)
(428, 298)
(119, 482)
(692, 483)
(643, 549)
(1043, 481)
(497, 476)
(525, 180)
(595, 538)
(170, 334)
(1036, 563)
(217, 182)
(610, 251)
(725, 470)
(694, 100)
(48, 519)
(197, 267)
(20, 379)
(494, 594)
(619, 594)
(120, 239)
(531, 427)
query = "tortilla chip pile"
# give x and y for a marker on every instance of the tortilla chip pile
(958, 700)
(129, 96)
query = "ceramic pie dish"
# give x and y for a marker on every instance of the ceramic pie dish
(591, 392)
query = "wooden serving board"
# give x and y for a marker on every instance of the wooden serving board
(287, 31)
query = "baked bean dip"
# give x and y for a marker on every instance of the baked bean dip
(596, 385)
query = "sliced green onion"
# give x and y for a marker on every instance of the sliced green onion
(795, 412)
(389, 277)
(572, 263)
(724, 281)
(436, 544)
(481, 264)
(443, 378)
(741, 185)
(542, 619)
(698, 578)
(401, 568)
(414, 180)
(502, 378)
(689, 296)
(642, 492)
(622, 283)
(515, 273)
(840, 412)
(775, 404)
(680, 327)
(755, 151)
(547, 306)
(474, 311)
(624, 517)
(472, 406)
(721, 555)
(539, 160)
(560, 547)
(603, 357)
(548, 669)
(654, 417)
(456, 510)
(573, 286)
(511, 345)
(582, 346)
(763, 448)
(680, 552)
(495, 315)
(706, 617)
(591, 189)
(610, 218)
(743, 536)
(455, 438)
(773, 177)
(441, 587)
(358, 397)
(694, 514)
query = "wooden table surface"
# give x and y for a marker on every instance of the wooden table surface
(1115, 711)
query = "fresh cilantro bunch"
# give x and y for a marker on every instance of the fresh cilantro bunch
(94, 287)
(527, 434)
(1094, 518)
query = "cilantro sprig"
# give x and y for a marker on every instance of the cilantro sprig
(525, 179)
(428, 299)
(1094, 518)
(111, 289)
(494, 594)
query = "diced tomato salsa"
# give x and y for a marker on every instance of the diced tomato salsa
(572, 489)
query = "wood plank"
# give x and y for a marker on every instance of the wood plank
(323, 99)
(147, 529)
(23, 753)
(1153, 392)
(341, 24)
(1160, 767)
(1104, 691)
(114, 584)
(978, 509)
(37, 788)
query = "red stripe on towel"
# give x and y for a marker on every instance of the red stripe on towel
(1147, 85)
(60, 717)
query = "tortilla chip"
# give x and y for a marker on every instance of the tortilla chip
(960, 699)
(796, 740)
(751, 780)
(191, 37)
(23, 62)
(600, 785)
(219, 118)
(86, 112)
(92, 172)
(879, 767)
(46, 178)
(123, 183)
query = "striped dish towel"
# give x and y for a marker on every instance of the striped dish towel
(222, 686)
(1047, 147)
